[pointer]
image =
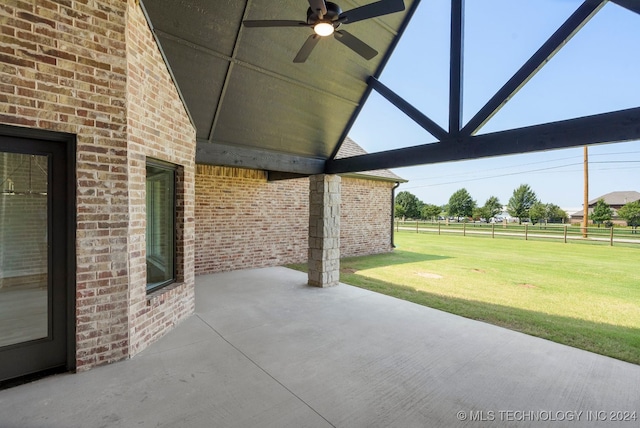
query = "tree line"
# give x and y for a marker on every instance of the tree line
(523, 205)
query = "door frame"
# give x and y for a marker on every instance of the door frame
(65, 181)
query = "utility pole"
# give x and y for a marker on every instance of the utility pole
(585, 218)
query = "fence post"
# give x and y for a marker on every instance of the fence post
(438, 228)
(611, 238)
(565, 233)
(526, 232)
(464, 229)
(493, 230)
(416, 226)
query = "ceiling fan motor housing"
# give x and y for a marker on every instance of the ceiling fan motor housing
(333, 11)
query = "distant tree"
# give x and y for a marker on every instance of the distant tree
(478, 213)
(538, 212)
(461, 204)
(409, 202)
(430, 211)
(521, 201)
(602, 212)
(492, 207)
(399, 211)
(631, 213)
(555, 214)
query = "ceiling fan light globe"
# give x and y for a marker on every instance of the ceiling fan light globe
(323, 29)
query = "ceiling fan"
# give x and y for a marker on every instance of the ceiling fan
(325, 18)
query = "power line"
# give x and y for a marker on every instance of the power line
(500, 168)
(471, 173)
(496, 176)
(616, 153)
(523, 172)
(616, 162)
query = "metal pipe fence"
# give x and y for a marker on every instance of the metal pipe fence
(560, 232)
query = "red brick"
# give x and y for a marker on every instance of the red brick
(35, 19)
(21, 62)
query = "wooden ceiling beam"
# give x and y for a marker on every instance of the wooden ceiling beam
(618, 126)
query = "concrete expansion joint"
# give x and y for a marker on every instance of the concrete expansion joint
(262, 369)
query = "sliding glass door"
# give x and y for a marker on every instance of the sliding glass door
(33, 240)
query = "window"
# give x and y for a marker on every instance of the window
(161, 231)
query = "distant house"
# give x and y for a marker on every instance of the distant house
(503, 216)
(615, 200)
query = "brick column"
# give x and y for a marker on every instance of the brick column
(324, 230)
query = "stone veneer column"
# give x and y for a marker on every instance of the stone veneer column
(324, 230)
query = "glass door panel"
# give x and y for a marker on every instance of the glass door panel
(36, 252)
(24, 242)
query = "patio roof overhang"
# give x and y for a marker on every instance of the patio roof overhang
(253, 107)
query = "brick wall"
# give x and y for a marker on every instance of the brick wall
(159, 128)
(244, 221)
(365, 226)
(64, 66)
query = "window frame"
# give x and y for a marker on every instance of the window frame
(172, 218)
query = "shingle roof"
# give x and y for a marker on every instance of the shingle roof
(613, 199)
(618, 198)
(350, 148)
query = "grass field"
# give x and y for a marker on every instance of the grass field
(581, 295)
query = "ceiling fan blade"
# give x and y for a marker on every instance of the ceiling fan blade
(379, 8)
(306, 49)
(355, 44)
(274, 23)
(318, 6)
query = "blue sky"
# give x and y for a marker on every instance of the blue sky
(597, 71)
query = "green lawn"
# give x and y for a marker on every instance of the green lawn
(581, 295)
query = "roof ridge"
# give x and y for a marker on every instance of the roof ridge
(350, 148)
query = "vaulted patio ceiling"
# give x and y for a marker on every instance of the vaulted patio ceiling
(254, 107)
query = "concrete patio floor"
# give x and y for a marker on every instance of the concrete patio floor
(265, 350)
